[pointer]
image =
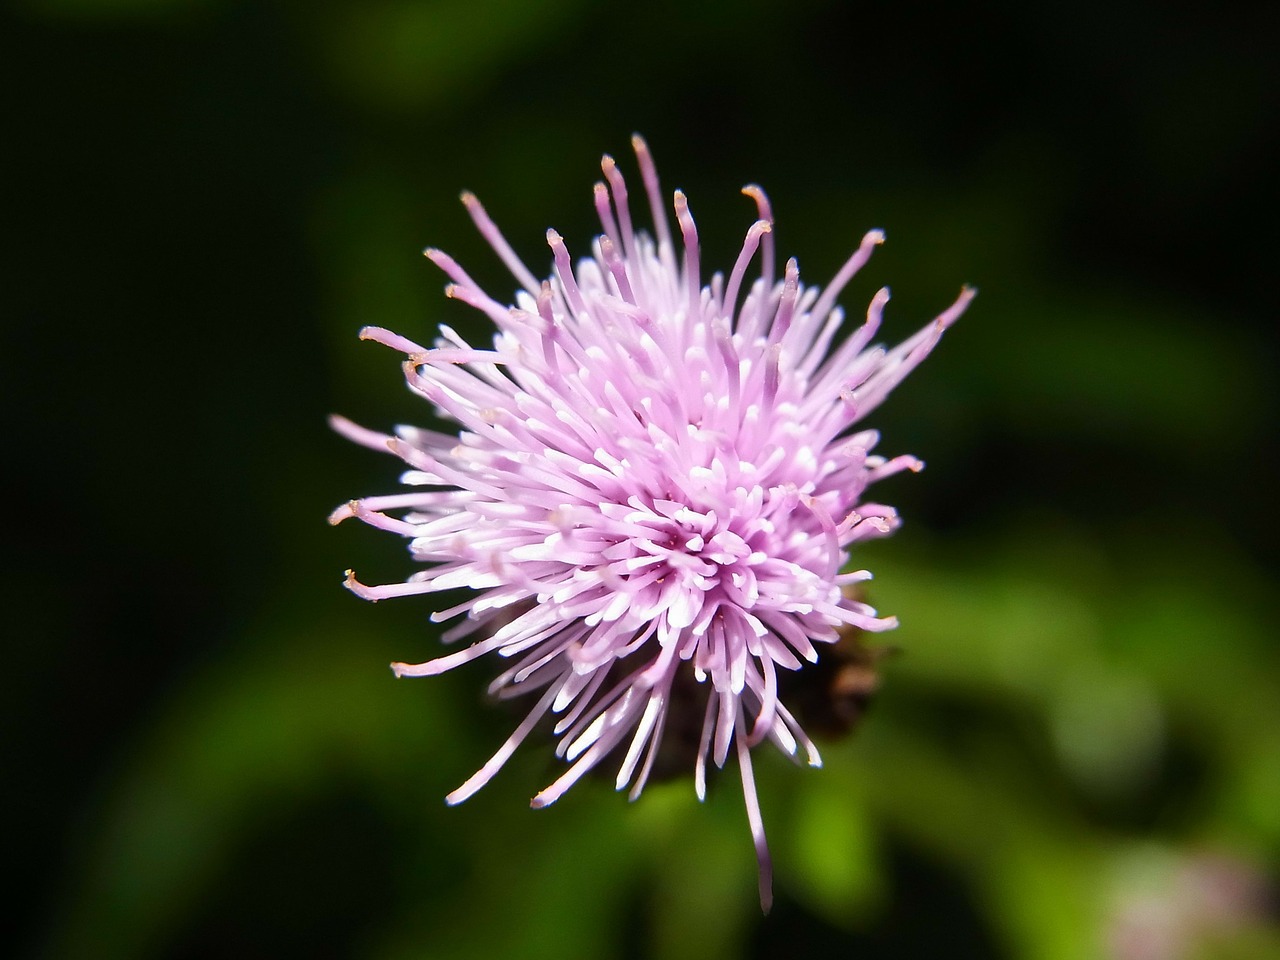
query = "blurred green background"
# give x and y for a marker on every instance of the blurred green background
(1077, 754)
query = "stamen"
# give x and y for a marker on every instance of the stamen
(649, 173)
(392, 340)
(870, 241)
(729, 356)
(456, 273)
(617, 269)
(749, 245)
(608, 739)
(652, 711)
(766, 213)
(564, 270)
(384, 591)
(689, 234)
(432, 668)
(754, 818)
(600, 194)
(504, 752)
(489, 230)
(704, 743)
(772, 358)
(768, 703)
(655, 742)
(618, 187)
(787, 304)
(907, 355)
(828, 524)
(358, 434)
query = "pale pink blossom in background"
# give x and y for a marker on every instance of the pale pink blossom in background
(1171, 905)
(653, 478)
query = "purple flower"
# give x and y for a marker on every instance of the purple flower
(654, 489)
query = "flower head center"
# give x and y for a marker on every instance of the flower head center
(696, 545)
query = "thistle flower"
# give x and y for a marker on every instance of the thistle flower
(651, 480)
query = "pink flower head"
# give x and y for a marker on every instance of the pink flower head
(655, 482)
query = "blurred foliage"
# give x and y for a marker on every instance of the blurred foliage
(1075, 755)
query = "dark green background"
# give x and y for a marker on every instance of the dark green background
(205, 755)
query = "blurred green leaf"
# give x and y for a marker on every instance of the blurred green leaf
(409, 55)
(832, 857)
(270, 724)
